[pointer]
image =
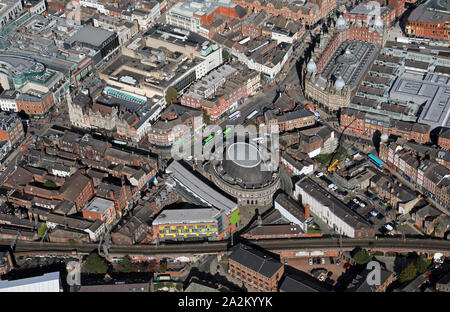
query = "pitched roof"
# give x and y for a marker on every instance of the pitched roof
(255, 260)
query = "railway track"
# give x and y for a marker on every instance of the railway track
(215, 247)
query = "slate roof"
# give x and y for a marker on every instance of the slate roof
(255, 260)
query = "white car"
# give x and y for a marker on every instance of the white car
(356, 201)
(334, 188)
(319, 174)
(310, 261)
(361, 204)
(388, 227)
(322, 278)
(331, 186)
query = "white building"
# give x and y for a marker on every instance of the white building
(35, 6)
(49, 282)
(331, 210)
(9, 10)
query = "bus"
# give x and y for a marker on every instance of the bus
(252, 114)
(235, 115)
(208, 139)
(119, 142)
(375, 161)
(226, 131)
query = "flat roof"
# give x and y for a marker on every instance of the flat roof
(99, 205)
(187, 215)
(341, 210)
(94, 36)
(48, 282)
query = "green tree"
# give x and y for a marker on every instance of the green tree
(362, 257)
(206, 118)
(171, 95)
(408, 273)
(50, 184)
(42, 230)
(421, 264)
(95, 264)
(225, 55)
(125, 265)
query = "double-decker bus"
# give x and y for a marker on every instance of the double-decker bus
(208, 139)
(252, 114)
(235, 115)
(226, 131)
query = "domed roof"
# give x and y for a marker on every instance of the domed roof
(242, 164)
(341, 23)
(378, 22)
(339, 84)
(311, 67)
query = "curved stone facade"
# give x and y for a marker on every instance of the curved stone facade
(248, 197)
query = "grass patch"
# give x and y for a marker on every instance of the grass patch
(314, 229)
(339, 154)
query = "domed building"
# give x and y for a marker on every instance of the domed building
(341, 23)
(246, 174)
(311, 67)
(339, 84)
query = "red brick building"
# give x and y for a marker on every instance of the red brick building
(34, 105)
(79, 189)
(425, 22)
(444, 138)
(11, 128)
(254, 268)
(361, 123)
(306, 14)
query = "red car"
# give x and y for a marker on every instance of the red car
(347, 265)
(23, 147)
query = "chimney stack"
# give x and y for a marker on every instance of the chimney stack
(306, 212)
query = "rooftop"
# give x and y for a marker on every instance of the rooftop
(255, 260)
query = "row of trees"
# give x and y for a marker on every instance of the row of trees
(96, 264)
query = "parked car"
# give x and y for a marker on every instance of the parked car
(331, 186)
(323, 260)
(310, 261)
(322, 278)
(362, 204)
(389, 227)
(338, 261)
(373, 196)
(334, 188)
(319, 174)
(356, 201)
(331, 260)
